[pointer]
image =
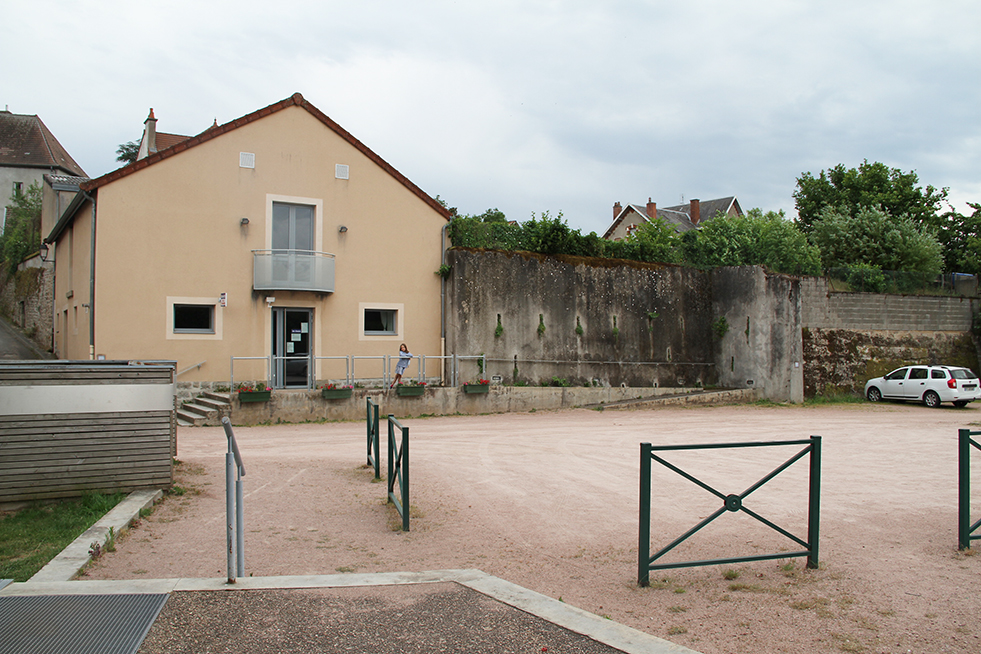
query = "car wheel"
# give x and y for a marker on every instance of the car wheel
(874, 394)
(960, 404)
(931, 399)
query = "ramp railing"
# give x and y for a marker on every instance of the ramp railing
(965, 529)
(398, 469)
(730, 502)
(234, 505)
(372, 424)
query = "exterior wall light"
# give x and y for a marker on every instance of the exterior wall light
(244, 221)
(342, 229)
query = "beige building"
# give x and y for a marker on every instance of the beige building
(277, 236)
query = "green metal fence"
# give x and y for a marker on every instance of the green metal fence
(398, 469)
(372, 424)
(964, 527)
(730, 502)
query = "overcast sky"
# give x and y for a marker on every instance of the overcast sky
(532, 106)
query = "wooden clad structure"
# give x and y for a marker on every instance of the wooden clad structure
(67, 427)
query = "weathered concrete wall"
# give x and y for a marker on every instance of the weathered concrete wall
(581, 319)
(762, 346)
(305, 406)
(26, 299)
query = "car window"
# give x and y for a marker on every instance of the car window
(938, 374)
(963, 373)
(897, 374)
(918, 373)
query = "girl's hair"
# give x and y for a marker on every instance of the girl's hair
(403, 345)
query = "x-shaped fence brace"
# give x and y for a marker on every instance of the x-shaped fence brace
(398, 470)
(372, 424)
(730, 502)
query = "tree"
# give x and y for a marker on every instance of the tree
(127, 152)
(755, 238)
(654, 241)
(847, 190)
(22, 229)
(872, 236)
(961, 239)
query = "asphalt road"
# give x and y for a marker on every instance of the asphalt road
(14, 345)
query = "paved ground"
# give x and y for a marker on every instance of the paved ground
(548, 501)
(14, 345)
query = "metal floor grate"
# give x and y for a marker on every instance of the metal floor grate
(76, 624)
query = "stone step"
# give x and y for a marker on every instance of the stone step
(197, 409)
(214, 405)
(189, 419)
(218, 397)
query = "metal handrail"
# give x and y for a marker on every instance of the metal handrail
(196, 365)
(231, 383)
(347, 366)
(234, 504)
(730, 502)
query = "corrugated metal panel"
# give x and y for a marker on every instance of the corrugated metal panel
(77, 624)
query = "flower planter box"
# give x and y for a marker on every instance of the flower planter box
(476, 388)
(409, 391)
(257, 396)
(336, 393)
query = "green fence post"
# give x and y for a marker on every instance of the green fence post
(405, 478)
(644, 544)
(963, 489)
(814, 504)
(373, 437)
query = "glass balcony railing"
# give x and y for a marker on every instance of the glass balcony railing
(293, 270)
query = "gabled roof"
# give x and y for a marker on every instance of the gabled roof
(217, 130)
(25, 142)
(676, 216)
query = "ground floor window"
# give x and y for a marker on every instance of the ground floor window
(194, 318)
(381, 322)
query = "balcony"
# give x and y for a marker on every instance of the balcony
(293, 270)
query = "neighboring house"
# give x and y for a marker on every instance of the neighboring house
(28, 150)
(277, 234)
(682, 217)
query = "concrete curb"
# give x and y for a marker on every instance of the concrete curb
(603, 630)
(73, 558)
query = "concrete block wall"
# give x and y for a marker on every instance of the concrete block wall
(823, 309)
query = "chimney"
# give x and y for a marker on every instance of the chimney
(149, 143)
(616, 208)
(694, 211)
(651, 209)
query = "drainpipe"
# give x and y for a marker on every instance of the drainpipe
(92, 282)
(442, 301)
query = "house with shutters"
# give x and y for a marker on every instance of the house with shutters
(683, 217)
(277, 239)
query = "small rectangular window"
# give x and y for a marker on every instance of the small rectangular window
(379, 322)
(194, 319)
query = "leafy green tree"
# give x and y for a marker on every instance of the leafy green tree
(961, 238)
(871, 185)
(127, 152)
(872, 236)
(654, 241)
(755, 238)
(22, 229)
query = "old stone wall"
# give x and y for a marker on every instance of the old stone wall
(26, 300)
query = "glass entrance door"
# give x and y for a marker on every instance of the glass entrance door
(292, 349)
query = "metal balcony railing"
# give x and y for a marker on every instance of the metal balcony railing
(293, 270)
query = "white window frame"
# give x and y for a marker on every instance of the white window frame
(171, 335)
(399, 310)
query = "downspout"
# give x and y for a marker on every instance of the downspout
(92, 282)
(442, 301)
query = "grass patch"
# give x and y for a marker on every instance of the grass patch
(835, 398)
(674, 631)
(730, 574)
(31, 537)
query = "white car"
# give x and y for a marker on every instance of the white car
(928, 384)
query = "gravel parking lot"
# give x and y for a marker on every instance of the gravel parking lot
(549, 500)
